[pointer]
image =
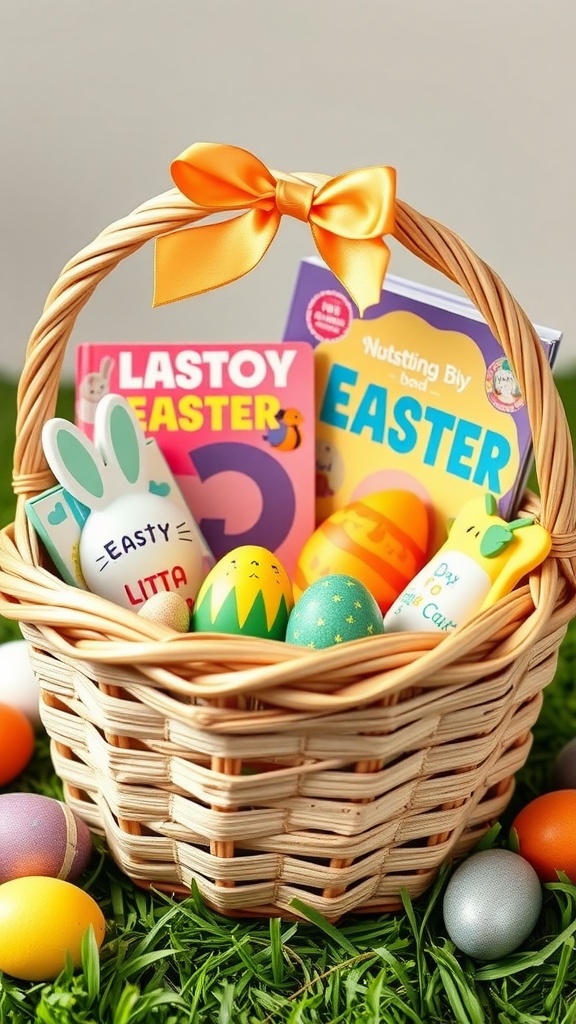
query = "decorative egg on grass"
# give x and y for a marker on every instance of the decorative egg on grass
(381, 540)
(18, 684)
(544, 832)
(42, 922)
(167, 609)
(491, 904)
(41, 836)
(333, 610)
(564, 770)
(247, 592)
(17, 741)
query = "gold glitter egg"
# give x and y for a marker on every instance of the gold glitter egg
(167, 609)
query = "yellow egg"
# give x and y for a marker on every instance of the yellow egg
(42, 920)
(247, 592)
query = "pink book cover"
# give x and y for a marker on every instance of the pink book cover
(235, 422)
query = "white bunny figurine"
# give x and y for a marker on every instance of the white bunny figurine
(93, 387)
(134, 543)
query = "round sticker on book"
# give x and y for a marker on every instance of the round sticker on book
(328, 316)
(502, 388)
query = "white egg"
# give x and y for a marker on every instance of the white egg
(18, 684)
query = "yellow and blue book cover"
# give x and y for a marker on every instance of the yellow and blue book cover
(417, 395)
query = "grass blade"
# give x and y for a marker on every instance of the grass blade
(91, 965)
(527, 961)
(329, 929)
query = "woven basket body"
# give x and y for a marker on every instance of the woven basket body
(264, 772)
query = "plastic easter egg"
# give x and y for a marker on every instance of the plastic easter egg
(42, 921)
(41, 836)
(168, 609)
(544, 832)
(564, 770)
(247, 592)
(380, 540)
(333, 610)
(491, 904)
(18, 684)
(17, 742)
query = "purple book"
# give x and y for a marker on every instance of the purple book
(418, 395)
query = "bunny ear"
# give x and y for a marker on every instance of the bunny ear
(121, 443)
(74, 461)
(106, 365)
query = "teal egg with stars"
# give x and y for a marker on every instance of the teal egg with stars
(332, 610)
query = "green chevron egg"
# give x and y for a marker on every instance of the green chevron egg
(247, 592)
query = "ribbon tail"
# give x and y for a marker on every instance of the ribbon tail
(195, 260)
(359, 264)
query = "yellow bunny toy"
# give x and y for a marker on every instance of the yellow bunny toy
(482, 559)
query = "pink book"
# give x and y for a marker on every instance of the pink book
(235, 422)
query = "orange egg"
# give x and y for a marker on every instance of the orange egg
(381, 539)
(544, 832)
(16, 742)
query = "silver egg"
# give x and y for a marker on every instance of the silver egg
(492, 903)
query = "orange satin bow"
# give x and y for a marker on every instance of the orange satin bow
(347, 216)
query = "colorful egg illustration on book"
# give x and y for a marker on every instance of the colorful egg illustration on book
(333, 610)
(247, 592)
(381, 539)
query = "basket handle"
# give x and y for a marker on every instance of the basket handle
(430, 241)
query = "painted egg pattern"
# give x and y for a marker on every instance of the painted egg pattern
(41, 836)
(381, 540)
(333, 610)
(247, 592)
(42, 921)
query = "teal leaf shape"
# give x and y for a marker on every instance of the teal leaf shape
(490, 505)
(162, 489)
(495, 540)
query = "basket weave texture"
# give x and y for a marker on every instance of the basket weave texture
(265, 772)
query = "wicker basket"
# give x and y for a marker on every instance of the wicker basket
(265, 772)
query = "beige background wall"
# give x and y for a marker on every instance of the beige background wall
(473, 102)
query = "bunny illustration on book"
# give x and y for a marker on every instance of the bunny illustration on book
(482, 559)
(136, 541)
(93, 387)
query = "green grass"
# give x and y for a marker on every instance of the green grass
(169, 963)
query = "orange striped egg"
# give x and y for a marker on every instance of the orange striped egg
(380, 539)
